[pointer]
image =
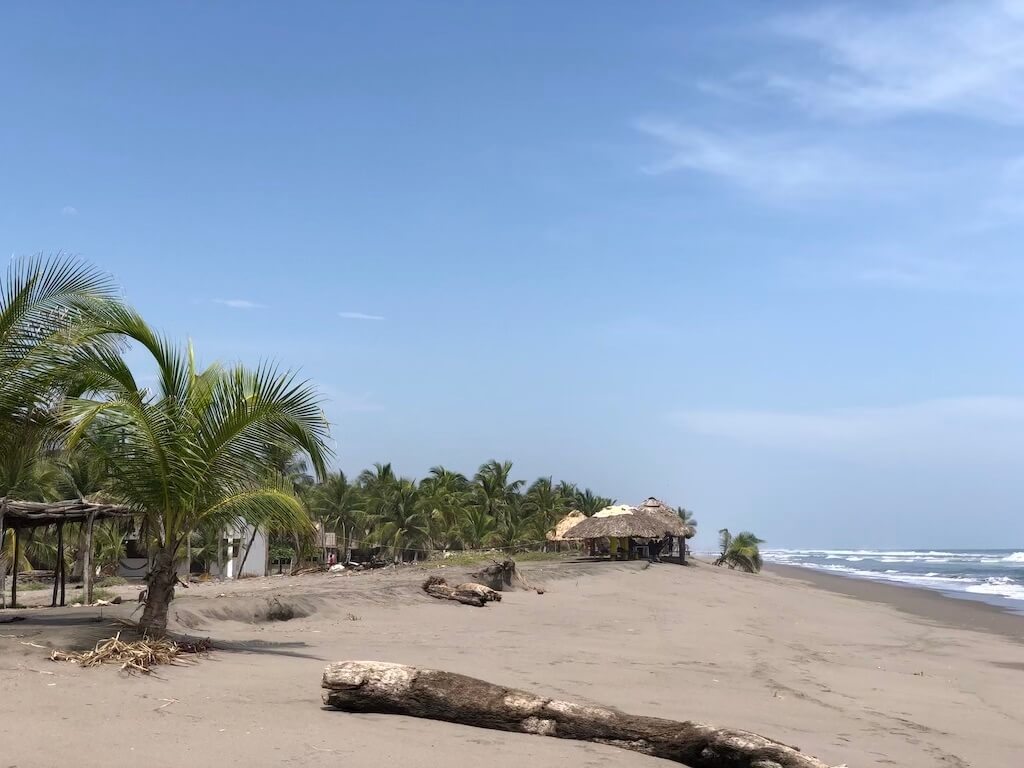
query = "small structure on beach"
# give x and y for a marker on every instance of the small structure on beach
(25, 515)
(563, 526)
(651, 520)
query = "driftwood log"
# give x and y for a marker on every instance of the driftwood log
(467, 594)
(373, 686)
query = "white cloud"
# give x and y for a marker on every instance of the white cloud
(966, 429)
(961, 58)
(239, 304)
(777, 167)
(69, 210)
(359, 316)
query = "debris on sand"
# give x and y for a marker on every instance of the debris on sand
(467, 594)
(135, 656)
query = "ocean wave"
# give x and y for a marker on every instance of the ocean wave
(1001, 587)
(1016, 557)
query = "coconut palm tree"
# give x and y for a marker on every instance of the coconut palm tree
(494, 491)
(589, 503)
(48, 306)
(337, 504)
(196, 451)
(740, 551)
(445, 496)
(687, 516)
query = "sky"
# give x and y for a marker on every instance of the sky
(761, 260)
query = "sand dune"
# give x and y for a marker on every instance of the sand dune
(847, 678)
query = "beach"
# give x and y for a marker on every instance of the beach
(855, 673)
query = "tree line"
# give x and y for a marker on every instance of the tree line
(210, 449)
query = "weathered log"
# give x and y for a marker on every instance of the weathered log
(380, 687)
(468, 594)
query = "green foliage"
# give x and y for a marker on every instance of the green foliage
(740, 551)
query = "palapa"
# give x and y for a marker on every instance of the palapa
(651, 520)
(676, 526)
(565, 524)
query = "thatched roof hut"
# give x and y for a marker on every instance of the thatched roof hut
(651, 520)
(565, 524)
(670, 516)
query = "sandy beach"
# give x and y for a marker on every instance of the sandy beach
(862, 674)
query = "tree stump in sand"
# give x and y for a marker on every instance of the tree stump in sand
(373, 686)
(504, 576)
(467, 594)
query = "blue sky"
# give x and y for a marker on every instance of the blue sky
(760, 260)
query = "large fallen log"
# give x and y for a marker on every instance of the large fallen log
(373, 686)
(467, 594)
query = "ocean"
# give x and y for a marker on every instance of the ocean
(993, 576)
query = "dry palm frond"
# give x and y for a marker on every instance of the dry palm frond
(136, 656)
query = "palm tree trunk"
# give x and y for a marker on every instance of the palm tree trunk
(159, 594)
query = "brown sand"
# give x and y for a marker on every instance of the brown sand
(879, 678)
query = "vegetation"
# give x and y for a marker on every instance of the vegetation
(740, 551)
(209, 450)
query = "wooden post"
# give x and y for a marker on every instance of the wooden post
(59, 567)
(88, 576)
(682, 550)
(63, 563)
(14, 570)
(3, 565)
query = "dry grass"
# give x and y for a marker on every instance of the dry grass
(135, 656)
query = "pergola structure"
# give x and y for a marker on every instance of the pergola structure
(25, 515)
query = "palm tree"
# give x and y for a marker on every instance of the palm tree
(445, 496)
(493, 489)
(687, 517)
(740, 551)
(478, 528)
(47, 307)
(197, 451)
(589, 504)
(336, 503)
(544, 506)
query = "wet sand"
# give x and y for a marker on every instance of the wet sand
(864, 674)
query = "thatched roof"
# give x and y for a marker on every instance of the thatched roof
(32, 514)
(651, 520)
(615, 509)
(671, 517)
(558, 532)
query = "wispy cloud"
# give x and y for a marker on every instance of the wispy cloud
(359, 316)
(69, 210)
(239, 303)
(777, 167)
(966, 428)
(961, 58)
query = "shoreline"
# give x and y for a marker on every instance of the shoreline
(929, 604)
